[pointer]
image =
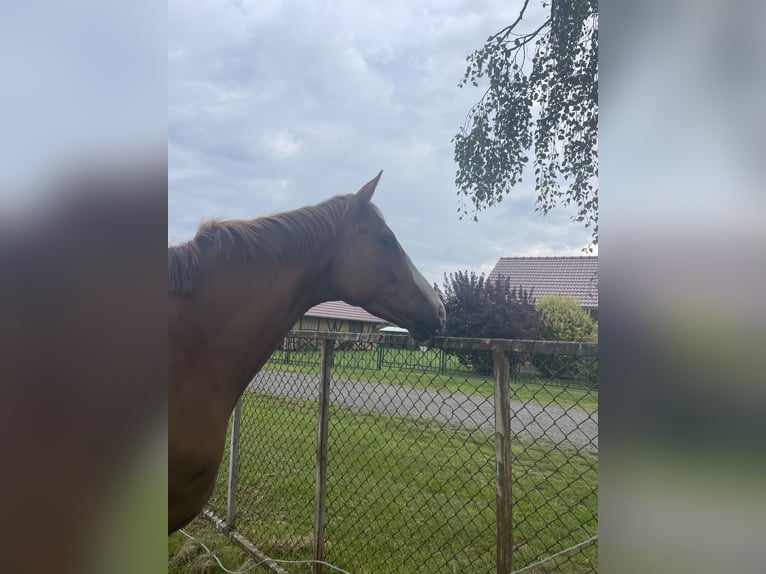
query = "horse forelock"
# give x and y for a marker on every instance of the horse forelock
(288, 237)
(376, 211)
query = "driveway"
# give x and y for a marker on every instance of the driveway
(570, 426)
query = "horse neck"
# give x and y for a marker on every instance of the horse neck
(246, 311)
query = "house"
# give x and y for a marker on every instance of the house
(337, 316)
(575, 277)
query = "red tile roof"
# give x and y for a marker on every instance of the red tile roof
(342, 310)
(575, 277)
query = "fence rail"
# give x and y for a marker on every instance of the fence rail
(419, 463)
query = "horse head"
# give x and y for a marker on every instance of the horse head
(372, 270)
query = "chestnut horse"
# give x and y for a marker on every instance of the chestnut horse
(235, 291)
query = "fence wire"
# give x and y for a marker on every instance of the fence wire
(411, 456)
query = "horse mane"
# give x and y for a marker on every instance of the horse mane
(288, 237)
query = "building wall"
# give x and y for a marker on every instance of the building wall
(336, 325)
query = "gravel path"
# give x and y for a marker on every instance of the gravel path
(573, 426)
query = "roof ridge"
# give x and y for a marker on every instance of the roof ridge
(551, 257)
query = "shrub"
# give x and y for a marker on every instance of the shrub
(476, 307)
(562, 319)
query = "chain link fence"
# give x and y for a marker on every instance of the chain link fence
(463, 456)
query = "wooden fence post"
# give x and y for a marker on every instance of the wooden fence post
(231, 498)
(503, 501)
(320, 495)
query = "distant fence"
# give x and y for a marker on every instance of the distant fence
(375, 454)
(443, 360)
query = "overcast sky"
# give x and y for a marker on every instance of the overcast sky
(273, 105)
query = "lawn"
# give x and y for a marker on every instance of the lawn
(186, 556)
(403, 495)
(421, 369)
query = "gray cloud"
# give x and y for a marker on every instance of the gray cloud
(277, 105)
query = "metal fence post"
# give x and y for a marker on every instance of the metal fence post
(503, 501)
(320, 496)
(231, 498)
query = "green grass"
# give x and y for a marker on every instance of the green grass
(419, 369)
(186, 556)
(403, 495)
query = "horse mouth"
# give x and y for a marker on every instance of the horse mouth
(433, 329)
(425, 334)
(421, 336)
(421, 329)
(419, 333)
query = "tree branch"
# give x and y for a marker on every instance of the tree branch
(508, 29)
(532, 35)
(472, 111)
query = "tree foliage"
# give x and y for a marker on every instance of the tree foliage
(546, 104)
(562, 319)
(476, 307)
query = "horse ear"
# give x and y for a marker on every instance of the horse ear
(368, 189)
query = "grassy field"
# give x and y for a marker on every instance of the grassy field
(421, 370)
(188, 557)
(403, 495)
